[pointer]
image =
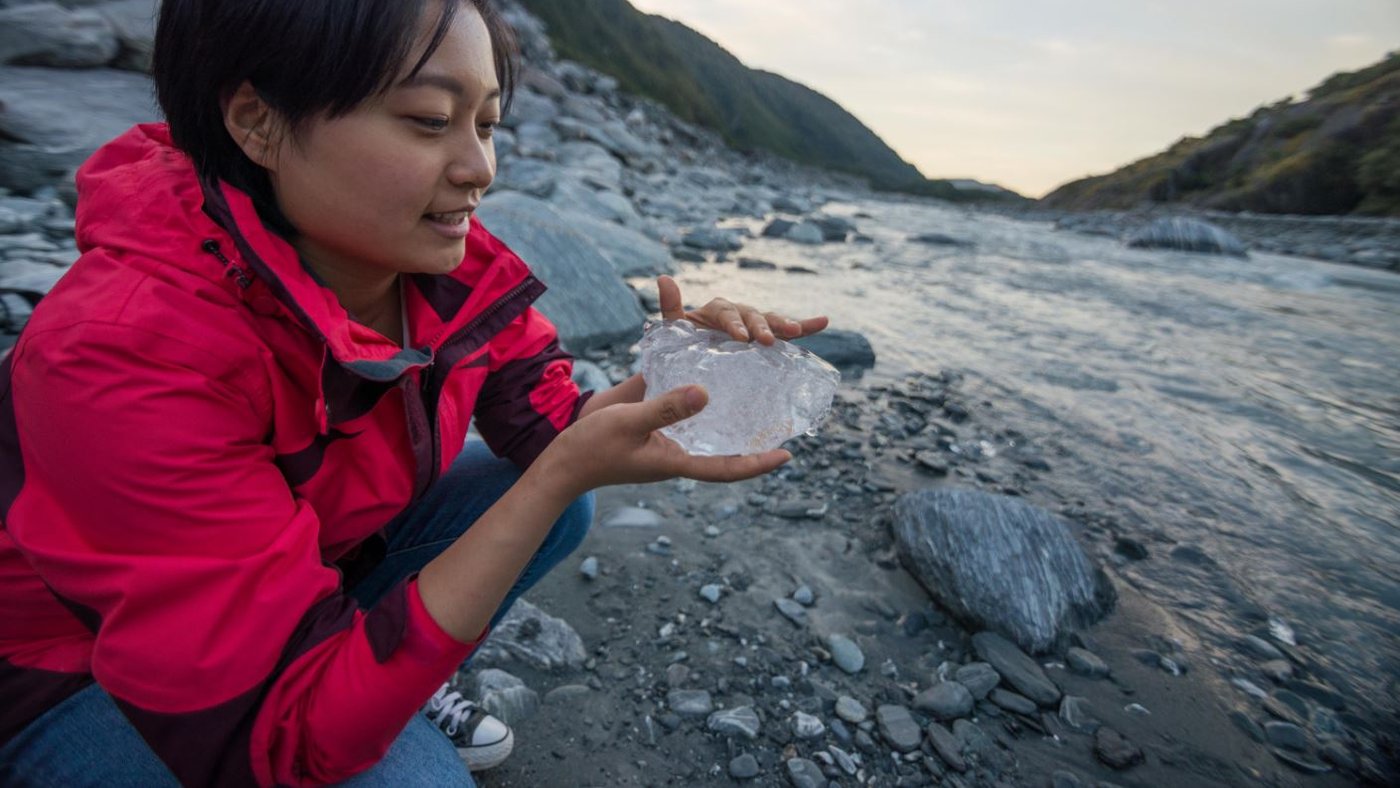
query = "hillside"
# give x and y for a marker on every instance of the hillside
(1336, 152)
(703, 84)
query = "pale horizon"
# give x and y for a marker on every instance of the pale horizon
(1032, 97)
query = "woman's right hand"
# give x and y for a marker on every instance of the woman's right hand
(621, 444)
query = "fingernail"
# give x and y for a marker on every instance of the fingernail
(694, 398)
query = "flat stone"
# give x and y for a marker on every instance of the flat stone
(1278, 670)
(845, 653)
(710, 593)
(566, 693)
(1076, 713)
(738, 721)
(530, 635)
(802, 773)
(1016, 669)
(690, 703)
(1086, 663)
(807, 726)
(979, 678)
(1247, 725)
(1061, 778)
(948, 746)
(794, 612)
(1286, 735)
(1287, 706)
(1300, 761)
(898, 727)
(1115, 751)
(1318, 693)
(589, 567)
(1011, 701)
(804, 596)
(633, 517)
(743, 767)
(946, 700)
(851, 710)
(1261, 648)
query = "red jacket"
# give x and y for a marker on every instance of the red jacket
(193, 432)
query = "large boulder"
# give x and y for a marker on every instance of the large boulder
(47, 34)
(1186, 235)
(134, 22)
(41, 140)
(587, 299)
(998, 563)
(630, 252)
(842, 349)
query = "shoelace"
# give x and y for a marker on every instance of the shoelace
(450, 707)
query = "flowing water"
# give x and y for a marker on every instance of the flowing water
(1239, 417)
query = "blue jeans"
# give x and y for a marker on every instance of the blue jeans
(86, 741)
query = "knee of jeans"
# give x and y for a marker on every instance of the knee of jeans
(573, 524)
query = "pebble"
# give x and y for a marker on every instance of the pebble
(1318, 693)
(589, 568)
(946, 700)
(898, 728)
(979, 678)
(1065, 779)
(845, 653)
(740, 721)
(794, 612)
(851, 710)
(806, 726)
(713, 531)
(1086, 663)
(844, 760)
(1115, 751)
(1076, 713)
(1261, 648)
(1278, 670)
(1287, 706)
(633, 517)
(1286, 735)
(805, 774)
(1013, 702)
(948, 747)
(676, 674)
(566, 693)
(710, 593)
(1247, 724)
(1017, 669)
(690, 703)
(1336, 753)
(743, 767)
(804, 596)
(1303, 763)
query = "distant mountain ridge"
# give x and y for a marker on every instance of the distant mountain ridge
(1336, 152)
(704, 84)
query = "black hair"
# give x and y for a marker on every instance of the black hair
(303, 57)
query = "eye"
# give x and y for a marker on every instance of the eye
(488, 128)
(432, 123)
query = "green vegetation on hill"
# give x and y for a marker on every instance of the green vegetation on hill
(1336, 152)
(703, 84)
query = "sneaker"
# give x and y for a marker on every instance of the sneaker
(482, 740)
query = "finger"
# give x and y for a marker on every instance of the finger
(723, 315)
(735, 468)
(757, 325)
(669, 294)
(675, 405)
(782, 326)
(812, 325)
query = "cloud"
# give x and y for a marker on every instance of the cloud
(1348, 41)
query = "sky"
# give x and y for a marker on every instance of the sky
(1031, 95)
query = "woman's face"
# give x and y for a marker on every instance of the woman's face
(389, 188)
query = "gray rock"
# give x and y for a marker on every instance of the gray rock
(690, 703)
(590, 376)
(778, 228)
(1077, 714)
(978, 743)
(536, 139)
(845, 653)
(1115, 751)
(1247, 726)
(1061, 778)
(713, 239)
(633, 517)
(739, 721)
(589, 567)
(806, 726)
(40, 143)
(834, 228)
(1012, 701)
(757, 265)
(513, 705)
(789, 204)
(1286, 735)
(710, 593)
(948, 746)
(743, 767)
(805, 233)
(979, 678)
(851, 710)
(531, 176)
(946, 700)
(1300, 761)
(1015, 668)
(804, 596)
(997, 562)
(939, 239)
(802, 773)
(528, 634)
(1187, 235)
(134, 23)
(1260, 648)
(47, 34)
(840, 348)
(587, 301)
(530, 107)
(898, 728)
(1086, 663)
(844, 760)
(791, 610)
(630, 252)
(566, 693)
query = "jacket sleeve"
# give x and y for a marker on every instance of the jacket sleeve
(529, 396)
(153, 509)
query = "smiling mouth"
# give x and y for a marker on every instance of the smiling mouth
(450, 218)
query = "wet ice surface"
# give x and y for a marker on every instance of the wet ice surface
(759, 396)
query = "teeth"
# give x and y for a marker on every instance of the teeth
(449, 218)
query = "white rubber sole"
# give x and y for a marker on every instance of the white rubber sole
(479, 759)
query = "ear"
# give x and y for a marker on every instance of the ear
(251, 123)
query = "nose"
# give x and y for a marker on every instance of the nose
(473, 164)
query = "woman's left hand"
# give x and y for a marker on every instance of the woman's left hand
(741, 321)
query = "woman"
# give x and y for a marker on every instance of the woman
(241, 542)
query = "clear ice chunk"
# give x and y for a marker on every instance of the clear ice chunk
(759, 396)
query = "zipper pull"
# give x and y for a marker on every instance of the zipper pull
(211, 246)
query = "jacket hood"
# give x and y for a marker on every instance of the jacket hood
(139, 195)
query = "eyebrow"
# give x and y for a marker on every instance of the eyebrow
(443, 82)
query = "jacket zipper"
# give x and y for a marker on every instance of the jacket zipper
(464, 332)
(212, 247)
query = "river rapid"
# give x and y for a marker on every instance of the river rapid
(1238, 418)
